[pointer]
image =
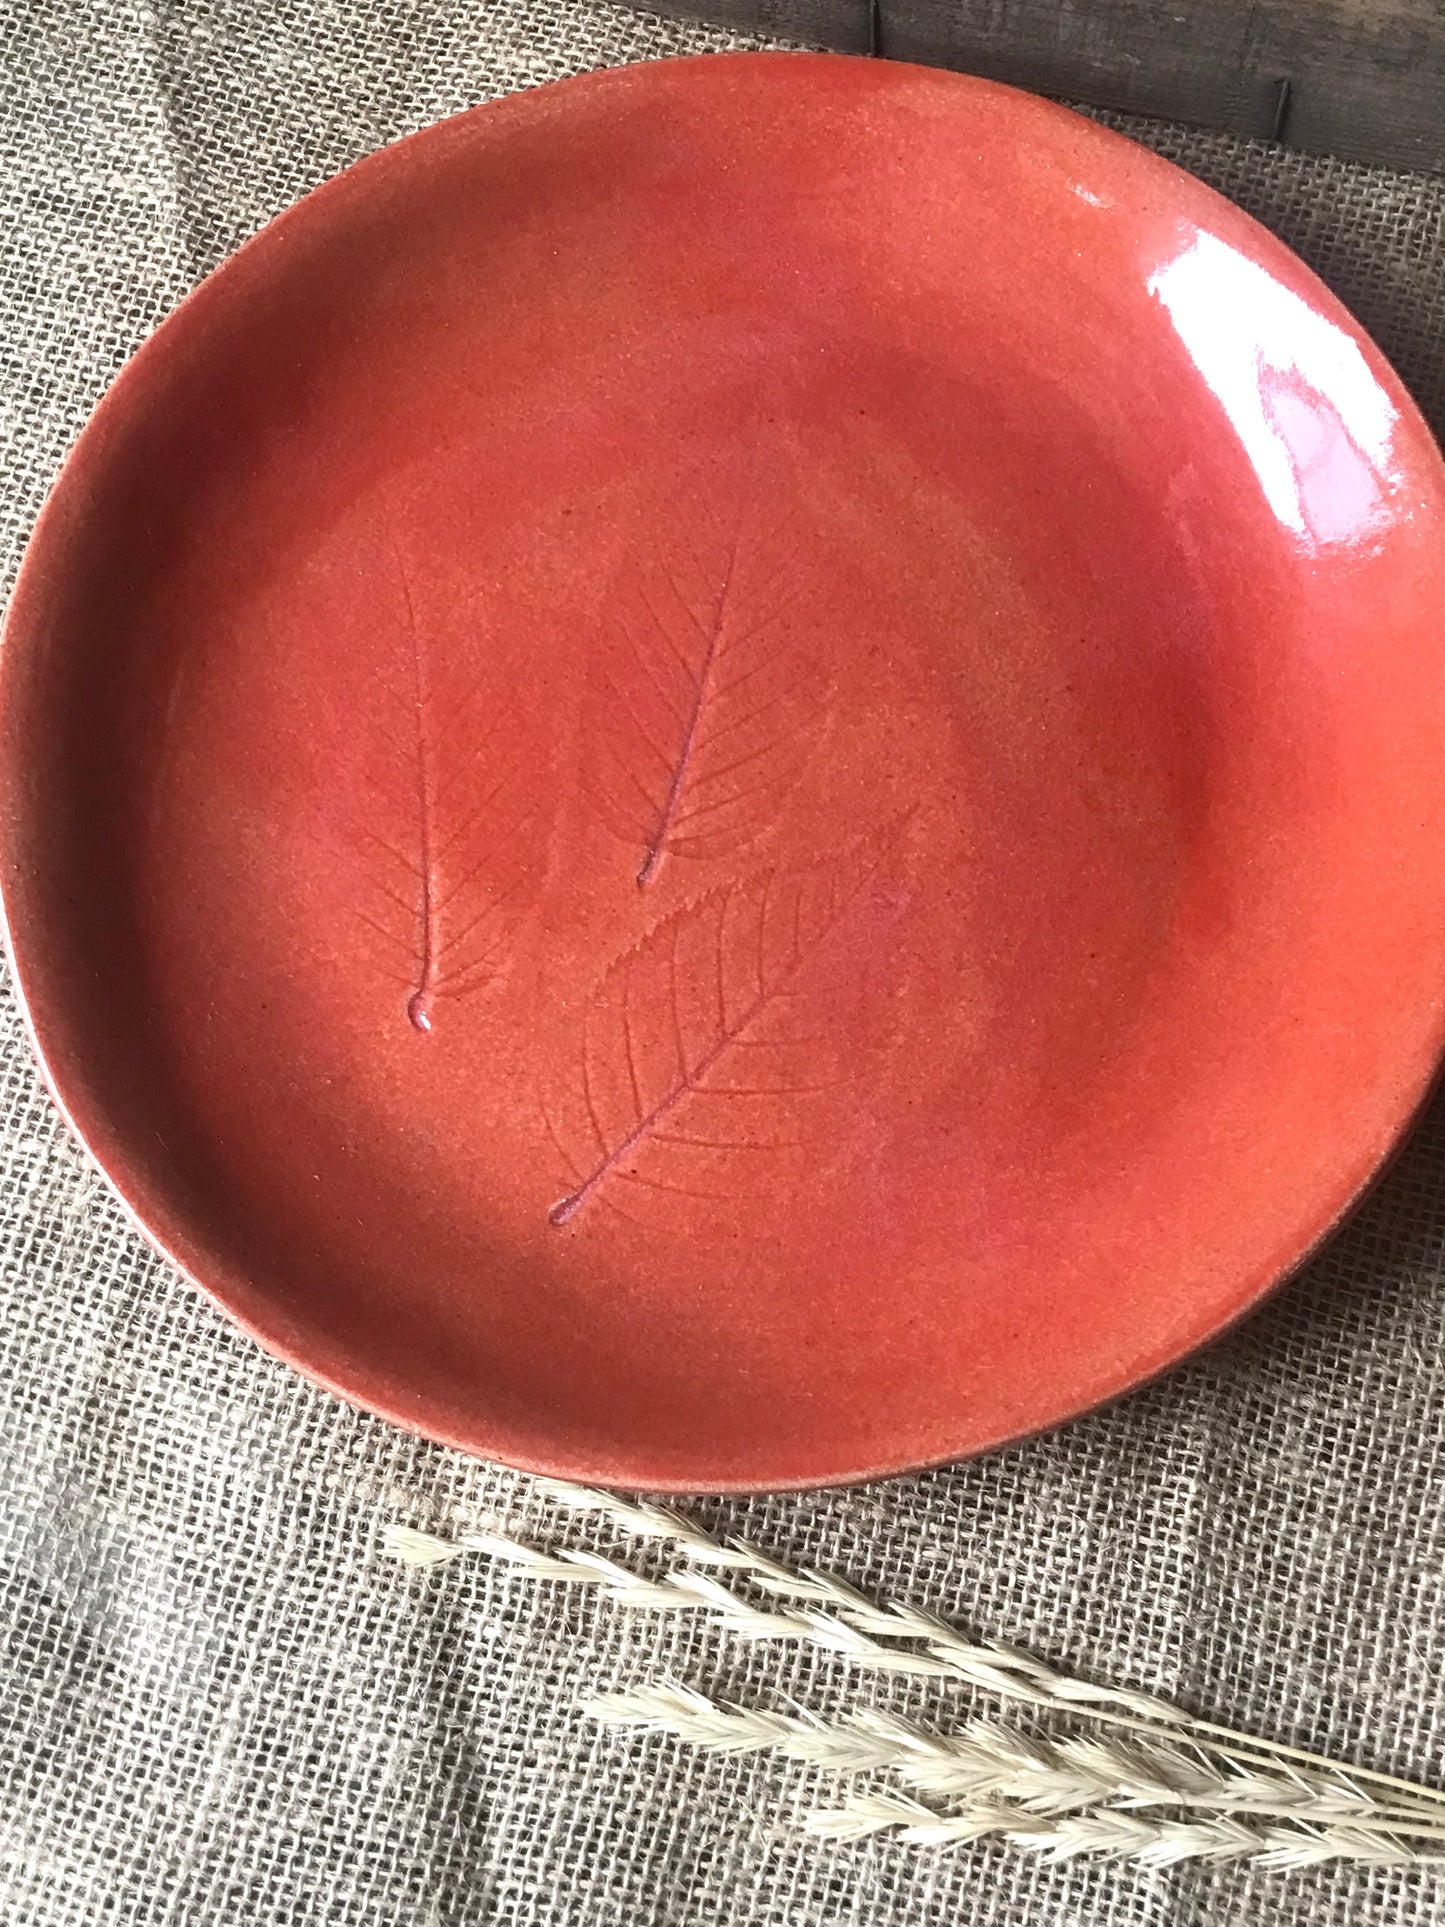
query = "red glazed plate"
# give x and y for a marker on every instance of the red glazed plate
(731, 776)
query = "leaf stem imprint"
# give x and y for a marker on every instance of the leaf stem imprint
(419, 1004)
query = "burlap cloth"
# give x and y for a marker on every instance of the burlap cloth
(219, 1703)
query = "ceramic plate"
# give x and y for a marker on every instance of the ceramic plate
(731, 776)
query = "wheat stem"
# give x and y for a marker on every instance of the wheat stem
(987, 1761)
(1116, 1835)
(674, 1592)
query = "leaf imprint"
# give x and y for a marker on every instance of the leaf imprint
(702, 707)
(714, 1051)
(457, 866)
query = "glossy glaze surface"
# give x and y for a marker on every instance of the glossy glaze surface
(731, 775)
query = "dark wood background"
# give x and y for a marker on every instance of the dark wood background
(1364, 79)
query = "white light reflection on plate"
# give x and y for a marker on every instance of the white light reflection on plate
(1314, 420)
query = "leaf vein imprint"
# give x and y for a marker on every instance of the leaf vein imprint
(713, 637)
(690, 1077)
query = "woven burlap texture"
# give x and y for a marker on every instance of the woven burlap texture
(220, 1703)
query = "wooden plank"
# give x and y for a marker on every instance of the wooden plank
(1363, 79)
(842, 25)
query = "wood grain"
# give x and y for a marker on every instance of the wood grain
(1362, 79)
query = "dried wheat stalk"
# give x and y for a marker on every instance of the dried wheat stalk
(1124, 1708)
(1116, 1835)
(854, 1628)
(830, 1614)
(988, 1762)
(896, 1638)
